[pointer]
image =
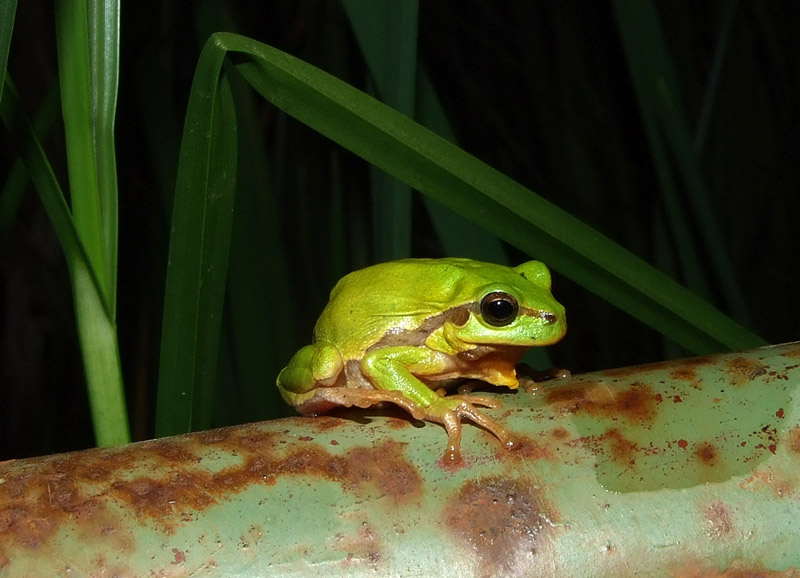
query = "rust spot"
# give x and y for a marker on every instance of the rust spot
(688, 374)
(622, 449)
(179, 556)
(161, 451)
(26, 525)
(560, 433)
(637, 403)
(361, 547)
(707, 453)
(167, 500)
(505, 522)
(793, 441)
(686, 370)
(772, 480)
(699, 360)
(525, 449)
(323, 423)
(718, 520)
(683, 369)
(683, 444)
(169, 486)
(392, 475)
(792, 351)
(742, 370)
(242, 440)
(779, 413)
(677, 399)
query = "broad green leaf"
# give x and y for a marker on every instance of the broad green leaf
(261, 329)
(437, 168)
(198, 254)
(411, 153)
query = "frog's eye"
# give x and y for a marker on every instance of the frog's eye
(499, 308)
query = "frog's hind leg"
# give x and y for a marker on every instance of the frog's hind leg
(449, 412)
(324, 399)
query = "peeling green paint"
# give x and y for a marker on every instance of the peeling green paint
(685, 468)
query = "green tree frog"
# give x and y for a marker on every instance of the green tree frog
(401, 331)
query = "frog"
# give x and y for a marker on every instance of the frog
(405, 331)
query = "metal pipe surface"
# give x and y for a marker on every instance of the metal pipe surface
(682, 468)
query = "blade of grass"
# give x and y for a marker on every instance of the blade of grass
(256, 302)
(96, 330)
(77, 101)
(41, 174)
(387, 34)
(8, 12)
(17, 181)
(103, 17)
(459, 237)
(396, 74)
(432, 165)
(86, 38)
(201, 217)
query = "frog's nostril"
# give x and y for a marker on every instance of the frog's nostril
(549, 318)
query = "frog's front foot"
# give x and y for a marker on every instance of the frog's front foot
(449, 411)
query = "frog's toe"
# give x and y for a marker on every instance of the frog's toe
(451, 410)
(452, 425)
(481, 400)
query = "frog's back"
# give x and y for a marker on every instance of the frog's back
(398, 295)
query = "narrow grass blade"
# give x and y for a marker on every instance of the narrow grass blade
(14, 189)
(432, 165)
(196, 278)
(77, 101)
(8, 11)
(103, 20)
(96, 328)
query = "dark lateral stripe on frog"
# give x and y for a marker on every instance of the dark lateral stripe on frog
(456, 315)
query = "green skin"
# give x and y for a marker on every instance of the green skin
(400, 331)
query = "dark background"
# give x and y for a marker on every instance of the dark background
(539, 90)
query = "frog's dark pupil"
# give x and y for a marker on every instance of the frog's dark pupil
(499, 308)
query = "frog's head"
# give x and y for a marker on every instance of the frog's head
(515, 308)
